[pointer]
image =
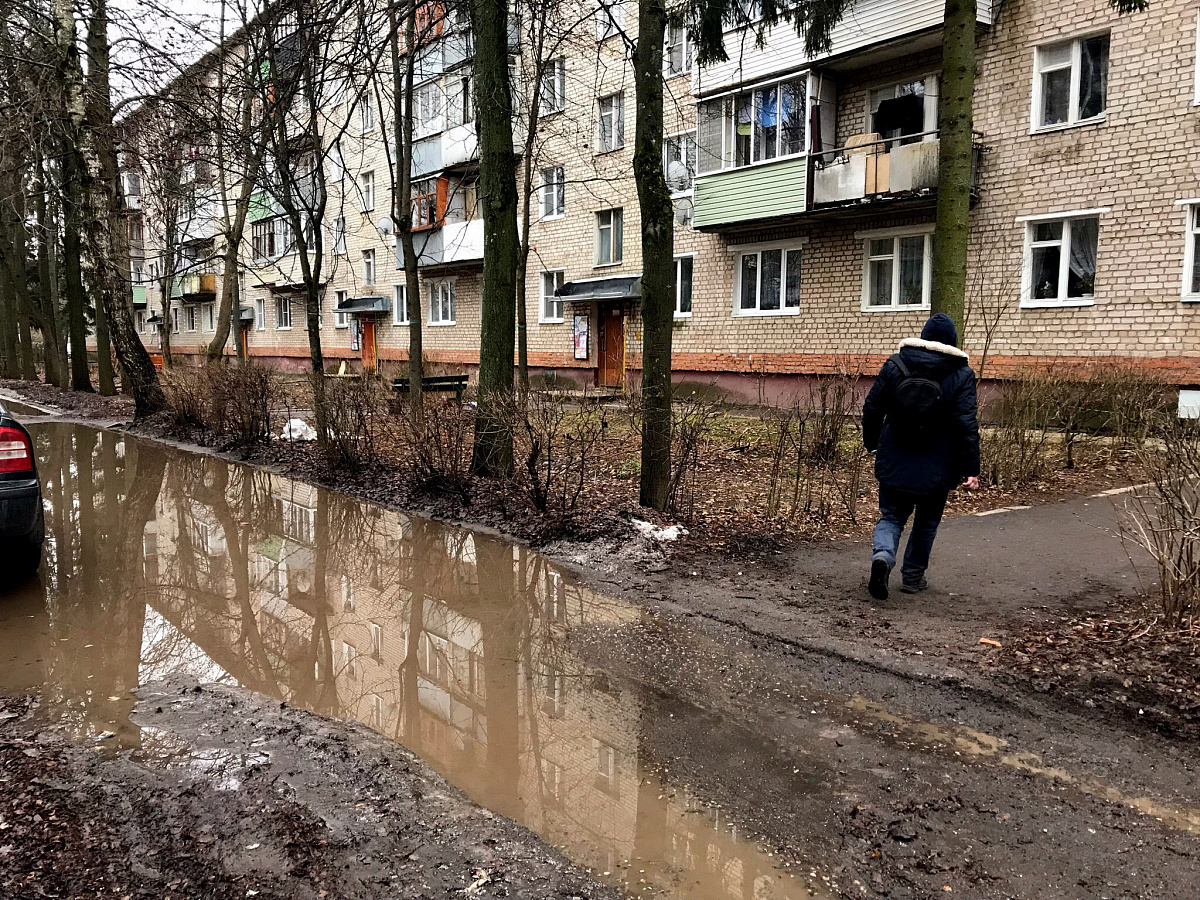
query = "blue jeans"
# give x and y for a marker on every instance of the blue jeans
(895, 507)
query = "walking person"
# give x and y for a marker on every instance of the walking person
(920, 419)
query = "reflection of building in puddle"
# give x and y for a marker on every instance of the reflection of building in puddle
(455, 644)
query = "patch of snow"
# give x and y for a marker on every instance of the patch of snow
(298, 430)
(654, 532)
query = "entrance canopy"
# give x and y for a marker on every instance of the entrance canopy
(246, 313)
(615, 287)
(365, 306)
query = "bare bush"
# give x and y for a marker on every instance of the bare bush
(187, 397)
(355, 414)
(691, 418)
(1163, 517)
(437, 440)
(240, 400)
(558, 439)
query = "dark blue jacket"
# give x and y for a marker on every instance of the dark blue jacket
(954, 455)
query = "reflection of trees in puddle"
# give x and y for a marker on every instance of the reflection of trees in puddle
(453, 642)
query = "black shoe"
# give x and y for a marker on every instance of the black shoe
(878, 585)
(914, 587)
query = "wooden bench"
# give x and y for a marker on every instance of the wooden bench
(432, 384)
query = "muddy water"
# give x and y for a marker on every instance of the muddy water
(161, 563)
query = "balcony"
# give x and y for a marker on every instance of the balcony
(772, 190)
(454, 244)
(460, 145)
(871, 170)
(139, 295)
(195, 287)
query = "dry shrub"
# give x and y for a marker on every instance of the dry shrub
(355, 414)
(691, 419)
(240, 399)
(1044, 416)
(187, 396)
(557, 438)
(1164, 516)
(437, 438)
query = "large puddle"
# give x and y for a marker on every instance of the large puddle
(454, 644)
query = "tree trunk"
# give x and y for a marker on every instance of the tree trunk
(10, 364)
(493, 451)
(52, 344)
(113, 313)
(402, 90)
(658, 255)
(955, 129)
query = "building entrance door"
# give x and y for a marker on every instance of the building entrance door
(369, 357)
(612, 347)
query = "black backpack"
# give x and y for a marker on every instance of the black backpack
(917, 411)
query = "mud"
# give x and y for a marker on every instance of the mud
(740, 733)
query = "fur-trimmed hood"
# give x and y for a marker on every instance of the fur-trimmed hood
(933, 347)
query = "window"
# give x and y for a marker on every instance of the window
(1060, 254)
(210, 323)
(376, 712)
(1191, 253)
(757, 126)
(141, 321)
(679, 162)
(554, 193)
(368, 266)
(606, 767)
(137, 231)
(175, 320)
(897, 270)
(366, 113)
(1070, 82)
(424, 203)
(339, 235)
(683, 286)
(427, 110)
(553, 97)
(905, 111)
(610, 18)
(551, 307)
(260, 313)
(677, 55)
(283, 312)
(767, 281)
(366, 190)
(612, 123)
(349, 658)
(460, 101)
(263, 239)
(376, 639)
(340, 319)
(191, 318)
(609, 237)
(441, 303)
(399, 304)
(347, 594)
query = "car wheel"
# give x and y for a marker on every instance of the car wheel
(27, 559)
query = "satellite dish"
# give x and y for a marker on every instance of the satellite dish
(683, 211)
(678, 176)
(384, 225)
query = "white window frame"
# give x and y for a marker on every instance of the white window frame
(931, 81)
(192, 318)
(679, 314)
(677, 35)
(209, 317)
(366, 190)
(366, 113)
(926, 270)
(556, 191)
(689, 156)
(339, 236)
(368, 267)
(260, 313)
(545, 299)
(400, 304)
(617, 114)
(140, 318)
(555, 78)
(1036, 105)
(617, 250)
(729, 114)
(427, 109)
(175, 320)
(740, 250)
(340, 319)
(1063, 301)
(283, 304)
(610, 18)
(1191, 230)
(1196, 65)
(436, 289)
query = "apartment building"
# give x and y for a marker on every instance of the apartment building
(804, 193)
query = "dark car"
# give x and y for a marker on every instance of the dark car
(22, 521)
